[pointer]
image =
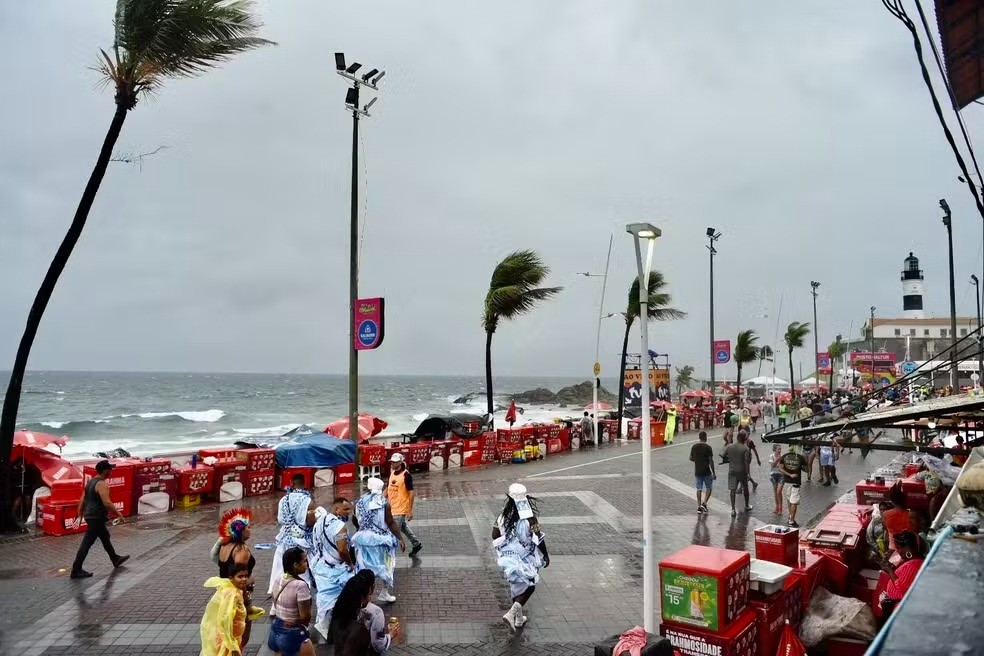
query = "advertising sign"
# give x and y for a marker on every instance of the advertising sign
(368, 324)
(721, 348)
(690, 598)
(823, 363)
(659, 386)
(881, 360)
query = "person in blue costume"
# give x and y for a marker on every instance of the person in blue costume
(330, 560)
(377, 538)
(521, 550)
(295, 514)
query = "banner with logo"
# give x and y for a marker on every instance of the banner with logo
(659, 386)
(823, 364)
(368, 324)
(721, 350)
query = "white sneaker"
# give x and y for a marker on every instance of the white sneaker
(521, 619)
(515, 611)
(386, 597)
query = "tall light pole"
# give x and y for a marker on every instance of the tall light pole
(597, 362)
(980, 337)
(370, 81)
(953, 297)
(816, 337)
(650, 233)
(871, 346)
(712, 236)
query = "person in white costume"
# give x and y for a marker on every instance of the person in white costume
(295, 514)
(521, 550)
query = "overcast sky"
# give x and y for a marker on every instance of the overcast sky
(801, 130)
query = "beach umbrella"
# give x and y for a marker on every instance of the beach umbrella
(601, 406)
(511, 413)
(30, 438)
(368, 425)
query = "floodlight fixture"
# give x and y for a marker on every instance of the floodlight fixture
(643, 230)
(370, 104)
(379, 77)
(365, 78)
(353, 68)
(814, 284)
(352, 97)
(710, 232)
(339, 61)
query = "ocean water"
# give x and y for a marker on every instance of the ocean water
(146, 413)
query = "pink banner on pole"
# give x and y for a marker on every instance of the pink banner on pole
(368, 323)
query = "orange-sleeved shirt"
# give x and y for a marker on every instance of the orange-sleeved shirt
(398, 492)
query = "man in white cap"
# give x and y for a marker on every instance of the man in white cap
(377, 538)
(400, 495)
(521, 549)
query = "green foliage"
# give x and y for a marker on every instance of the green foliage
(514, 289)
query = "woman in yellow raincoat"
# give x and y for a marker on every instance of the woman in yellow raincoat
(224, 621)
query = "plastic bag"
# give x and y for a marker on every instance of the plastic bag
(832, 615)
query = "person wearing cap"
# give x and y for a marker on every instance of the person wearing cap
(377, 538)
(96, 506)
(521, 550)
(400, 495)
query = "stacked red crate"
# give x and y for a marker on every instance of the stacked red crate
(372, 455)
(258, 459)
(777, 544)
(564, 435)
(260, 475)
(770, 617)
(219, 453)
(914, 490)
(288, 473)
(229, 481)
(575, 436)
(739, 639)
(120, 482)
(259, 482)
(195, 480)
(345, 473)
(154, 476)
(472, 448)
(608, 429)
(508, 441)
(418, 453)
(453, 454)
(489, 448)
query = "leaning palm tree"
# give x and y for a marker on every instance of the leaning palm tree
(796, 332)
(745, 353)
(657, 308)
(513, 292)
(684, 378)
(154, 40)
(836, 350)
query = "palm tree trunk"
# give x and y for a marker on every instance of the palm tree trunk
(621, 379)
(739, 385)
(488, 370)
(792, 383)
(11, 402)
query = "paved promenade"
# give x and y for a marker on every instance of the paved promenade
(450, 599)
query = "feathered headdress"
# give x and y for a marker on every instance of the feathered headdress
(232, 524)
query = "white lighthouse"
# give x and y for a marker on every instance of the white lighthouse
(912, 289)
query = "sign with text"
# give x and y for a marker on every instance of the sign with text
(659, 386)
(881, 361)
(721, 349)
(823, 363)
(367, 324)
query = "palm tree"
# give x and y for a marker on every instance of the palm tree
(684, 378)
(766, 354)
(836, 350)
(745, 353)
(796, 332)
(657, 308)
(513, 292)
(154, 40)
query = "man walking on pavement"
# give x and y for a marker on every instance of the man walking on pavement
(587, 428)
(702, 455)
(791, 464)
(739, 461)
(400, 495)
(96, 506)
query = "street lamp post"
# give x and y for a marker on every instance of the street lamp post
(953, 298)
(370, 81)
(712, 236)
(816, 338)
(980, 337)
(871, 346)
(597, 362)
(650, 233)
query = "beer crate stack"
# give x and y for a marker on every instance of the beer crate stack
(704, 597)
(229, 475)
(509, 441)
(775, 605)
(608, 428)
(194, 480)
(260, 470)
(285, 476)
(372, 460)
(155, 486)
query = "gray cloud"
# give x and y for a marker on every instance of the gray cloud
(801, 130)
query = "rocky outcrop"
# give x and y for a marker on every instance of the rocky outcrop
(577, 395)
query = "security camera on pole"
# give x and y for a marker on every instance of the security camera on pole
(369, 80)
(650, 233)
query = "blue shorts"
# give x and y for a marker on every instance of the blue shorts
(704, 482)
(286, 639)
(826, 458)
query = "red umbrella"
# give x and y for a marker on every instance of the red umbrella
(692, 394)
(368, 426)
(30, 438)
(601, 406)
(511, 413)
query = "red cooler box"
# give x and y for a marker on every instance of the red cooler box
(770, 616)
(472, 448)
(229, 481)
(288, 473)
(608, 429)
(154, 492)
(263, 460)
(915, 493)
(554, 445)
(372, 455)
(195, 480)
(65, 490)
(345, 473)
(704, 587)
(575, 437)
(55, 518)
(454, 454)
(794, 599)
(777, 544)
(220, 453)
(739, 639)
(259, 482)
(153, 466)
(870, 492)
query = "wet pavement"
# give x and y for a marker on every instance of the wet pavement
(450, 599)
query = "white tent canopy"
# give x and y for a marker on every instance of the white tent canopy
(811, 382)
(768, 381)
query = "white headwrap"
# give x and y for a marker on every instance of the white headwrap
(376, 500)
(375, 485)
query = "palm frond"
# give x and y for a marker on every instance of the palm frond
(177, 38)
(745, 349)
(659, 301)
(796, 333)
(513, 291)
